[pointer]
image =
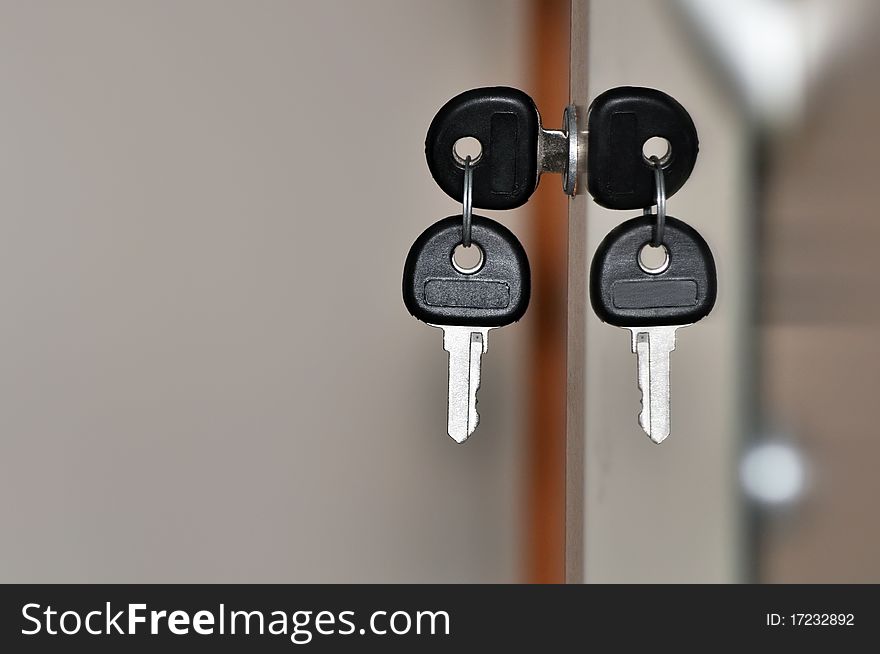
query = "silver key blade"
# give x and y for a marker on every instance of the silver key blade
(652, 346)
(466, 346)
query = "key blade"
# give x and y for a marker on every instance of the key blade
(652, 346)
(466, 346)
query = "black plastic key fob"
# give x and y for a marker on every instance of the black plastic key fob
(621, 120)
(506, 123)
(495, 294)
(625, 293)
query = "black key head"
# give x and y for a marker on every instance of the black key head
(621, 120)
(505, 121)
(495, 294)
(625, 293)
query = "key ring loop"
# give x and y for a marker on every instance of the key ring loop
(467, 203)
(659, 200)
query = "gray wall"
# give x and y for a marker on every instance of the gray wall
(207, 371)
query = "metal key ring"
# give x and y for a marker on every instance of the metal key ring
(467, 203)
(660, 201)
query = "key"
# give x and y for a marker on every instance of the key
(466, 303)
(653, 302)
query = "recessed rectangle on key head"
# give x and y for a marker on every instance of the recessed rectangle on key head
(654, 293)
(470, 294)
(504, 137)
(624, 127)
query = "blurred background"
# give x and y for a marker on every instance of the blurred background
(208, 373)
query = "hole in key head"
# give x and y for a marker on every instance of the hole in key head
(659, 147)
(467, 146)
(467, 260)
(653, 260)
